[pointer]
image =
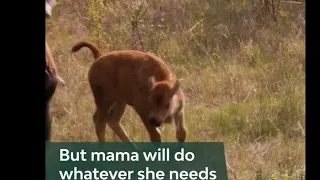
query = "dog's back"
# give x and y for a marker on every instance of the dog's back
(127, 59)
(125, 73)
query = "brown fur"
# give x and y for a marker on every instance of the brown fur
(140, 80)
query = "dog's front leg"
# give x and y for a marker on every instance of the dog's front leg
(114, 122)
(181, 131)
(154, 132)
(117, 128)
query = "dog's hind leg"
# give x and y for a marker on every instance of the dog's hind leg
(114, 121)
(181, 132)
(103, 112)
(100, 125)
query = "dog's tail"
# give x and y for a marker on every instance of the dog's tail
(96, 52)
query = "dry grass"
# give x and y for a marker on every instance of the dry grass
(243, 74)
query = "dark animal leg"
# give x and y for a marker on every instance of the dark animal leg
(50, 88)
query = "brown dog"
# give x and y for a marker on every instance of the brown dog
(138, 79)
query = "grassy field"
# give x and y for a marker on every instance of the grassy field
(242, 64)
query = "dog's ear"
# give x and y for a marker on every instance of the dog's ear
(175, 88)
(151, 82)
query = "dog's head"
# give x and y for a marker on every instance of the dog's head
(163, 101)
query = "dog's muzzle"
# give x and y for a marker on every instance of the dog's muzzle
(155, 122)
